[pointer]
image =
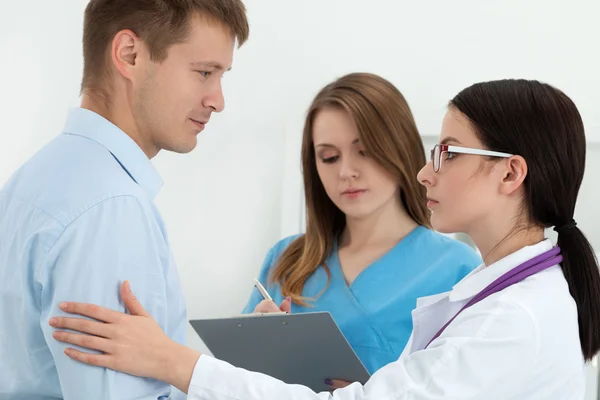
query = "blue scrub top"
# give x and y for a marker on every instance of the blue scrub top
(374, 312)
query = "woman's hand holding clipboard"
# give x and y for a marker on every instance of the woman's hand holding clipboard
(269, 306)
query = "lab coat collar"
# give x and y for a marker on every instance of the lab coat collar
(482, 276)
(429, 300)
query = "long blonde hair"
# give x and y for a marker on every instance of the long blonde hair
(389, 133)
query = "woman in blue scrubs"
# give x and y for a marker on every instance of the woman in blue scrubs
(368, 252)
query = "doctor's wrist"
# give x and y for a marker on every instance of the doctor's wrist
(179, 365)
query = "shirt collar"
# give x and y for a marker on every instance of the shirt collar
(88, 124)
(482, 276)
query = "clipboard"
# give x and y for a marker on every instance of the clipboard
(304, 348)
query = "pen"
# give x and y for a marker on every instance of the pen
(262, 290)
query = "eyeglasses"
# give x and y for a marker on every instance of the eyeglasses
(440, 149)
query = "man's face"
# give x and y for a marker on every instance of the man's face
(173, 99)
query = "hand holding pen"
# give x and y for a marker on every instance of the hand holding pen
(268, 305)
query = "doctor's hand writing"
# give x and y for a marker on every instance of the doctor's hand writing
(268, 306)
(134, 344)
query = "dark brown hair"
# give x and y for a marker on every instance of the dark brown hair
(390, 136)
(159, 23)
(542, 124)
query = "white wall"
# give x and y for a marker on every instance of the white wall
(238, 192)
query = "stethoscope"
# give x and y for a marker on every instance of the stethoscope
(530, 267)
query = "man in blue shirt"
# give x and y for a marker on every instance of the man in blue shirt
(78, 218)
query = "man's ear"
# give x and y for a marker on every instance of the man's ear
(125, 53)
(514, 173)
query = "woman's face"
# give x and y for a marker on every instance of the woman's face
(354, 182)
(467, 190)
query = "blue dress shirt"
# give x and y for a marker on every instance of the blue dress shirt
(75, 221)
(375, 312)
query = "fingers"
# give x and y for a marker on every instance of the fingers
(87, 341)
(336, 383)
(91, 310)
(83, 325)
(266, 306)
(131, 302)
(286, 305)
(100, 360)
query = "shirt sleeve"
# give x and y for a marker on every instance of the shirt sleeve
(473, 359)
(114, 240)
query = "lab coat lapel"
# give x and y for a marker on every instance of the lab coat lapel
(431, 311)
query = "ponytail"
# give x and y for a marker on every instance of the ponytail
(580, 268)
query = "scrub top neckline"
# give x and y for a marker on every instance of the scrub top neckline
(336, 265)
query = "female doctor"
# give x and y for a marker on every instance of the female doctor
(509, 163)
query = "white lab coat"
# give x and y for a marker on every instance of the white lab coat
(521, 343)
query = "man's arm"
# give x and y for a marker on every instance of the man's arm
(114, 240)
